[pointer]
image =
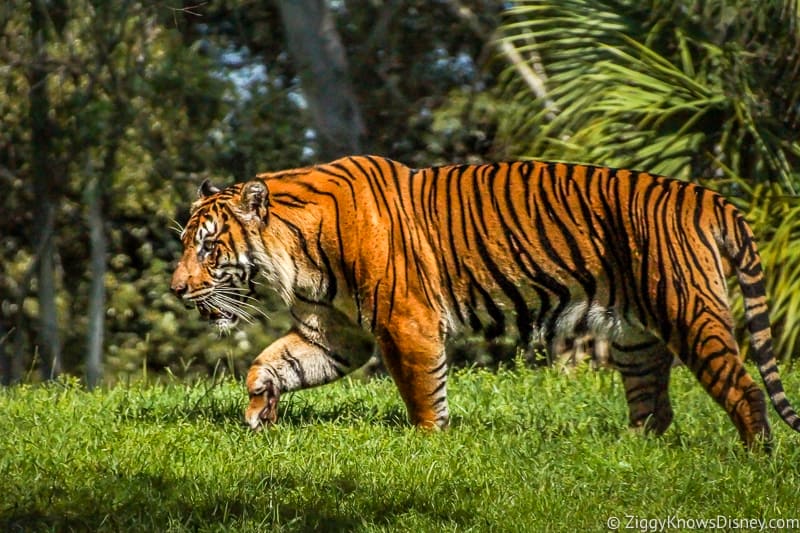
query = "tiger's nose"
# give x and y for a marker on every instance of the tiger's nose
(179, 287)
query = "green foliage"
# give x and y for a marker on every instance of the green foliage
(175, 117)
(149, 100)
(527, 451)
(678, 88)
(414, 61)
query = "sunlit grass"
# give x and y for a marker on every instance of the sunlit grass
(527, 450)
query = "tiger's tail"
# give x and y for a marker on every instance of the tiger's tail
(743, 252)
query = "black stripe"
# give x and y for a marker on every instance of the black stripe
(509, 288)
(296, 366)
(542, 282)
(579, 272)
(330, 292)
(755, 289)
(598, 228)
(497, 327)
(644, 345)
(374, 319)
(439, 388)
(290, 200)
(439, 368)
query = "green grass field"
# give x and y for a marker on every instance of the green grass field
(527, 451)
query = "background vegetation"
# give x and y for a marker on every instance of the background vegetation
(530, 450)
(112, 115)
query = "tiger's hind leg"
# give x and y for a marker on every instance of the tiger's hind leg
(705, 342)
(414, 352)
(645, 363)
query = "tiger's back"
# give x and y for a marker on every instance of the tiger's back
(540, 248)
(546, 250)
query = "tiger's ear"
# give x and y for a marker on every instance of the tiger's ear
(255, 199)
(206, 189)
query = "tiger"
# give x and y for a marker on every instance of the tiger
(371, 255)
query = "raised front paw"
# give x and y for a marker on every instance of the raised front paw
(263, 407)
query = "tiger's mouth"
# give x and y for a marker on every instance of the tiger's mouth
(220, 317)
(226, 306)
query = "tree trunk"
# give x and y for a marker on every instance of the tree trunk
(97, 292)
(99, 245)
(6, 360)
(50, 342)
(45, 191)
(322, 64)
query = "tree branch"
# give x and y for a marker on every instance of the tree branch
(536, 81)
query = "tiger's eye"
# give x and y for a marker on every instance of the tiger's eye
(209, 245)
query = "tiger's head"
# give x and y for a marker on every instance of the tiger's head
(216, 270)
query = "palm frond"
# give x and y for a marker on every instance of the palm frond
(629, 79)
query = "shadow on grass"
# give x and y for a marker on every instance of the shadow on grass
(146, 502)
(298, 412)
(228, 410)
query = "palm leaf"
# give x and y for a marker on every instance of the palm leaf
(619, 69)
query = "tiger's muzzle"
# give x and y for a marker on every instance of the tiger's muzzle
(220, 317)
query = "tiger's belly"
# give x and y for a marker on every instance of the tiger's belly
(556, 328)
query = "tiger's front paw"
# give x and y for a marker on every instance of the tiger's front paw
(263, 407)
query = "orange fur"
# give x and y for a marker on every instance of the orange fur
(366, 251)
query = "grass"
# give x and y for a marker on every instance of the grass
(527, 451)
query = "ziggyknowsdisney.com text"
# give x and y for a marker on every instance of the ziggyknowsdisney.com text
(627, 522)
